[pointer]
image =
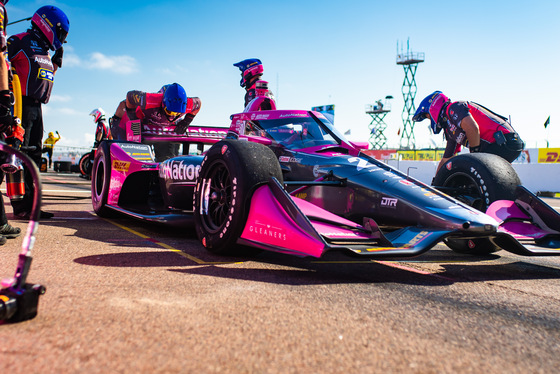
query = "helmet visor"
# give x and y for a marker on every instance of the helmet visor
(172, 116)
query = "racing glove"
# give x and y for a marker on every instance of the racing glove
(474, 149)
(183, 124)
(6, 119)
(14, 136)
(57, 57)
(193, 106)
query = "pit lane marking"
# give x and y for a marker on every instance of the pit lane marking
(168, 247)
(392, 264)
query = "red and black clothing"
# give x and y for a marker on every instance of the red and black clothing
(29, 56)
(148, 108)
(497, 136)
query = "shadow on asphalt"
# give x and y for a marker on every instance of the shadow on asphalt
(448, 267)
(277, 268)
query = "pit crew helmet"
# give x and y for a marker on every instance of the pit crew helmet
(250, 68)
(53, 24)
(431, 105)
(97, 114)
(174, 101)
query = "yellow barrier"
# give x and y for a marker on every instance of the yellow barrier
(549, 155)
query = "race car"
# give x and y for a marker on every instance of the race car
(288, 181)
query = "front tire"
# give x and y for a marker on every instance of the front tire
(230, 173)
(477, 179)
(101, 176)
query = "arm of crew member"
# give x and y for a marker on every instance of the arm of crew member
(470, 127)
(3, 73)
(450, 148)
(121, 108)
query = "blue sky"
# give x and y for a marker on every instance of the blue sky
(502, 54)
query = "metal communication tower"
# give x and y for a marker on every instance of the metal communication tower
(377, 126)
(409, 61)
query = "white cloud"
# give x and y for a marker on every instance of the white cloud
(98, 61)
(60, 99)
(118, 64)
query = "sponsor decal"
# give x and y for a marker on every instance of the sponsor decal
(121, 166)
(389, 202)
(43, 61)
(449, 166)
(46, 74)
(417, 239)
(179, 170)
(290, 115)
(232, 208)
(289, 159)
(266, 230)
(204, 133)
(256, 117)
(224, 149)
(407, 182)
(339, 234)
(317, 171)
(549, 155)
(363, 164)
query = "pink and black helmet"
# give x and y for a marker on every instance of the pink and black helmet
(250, 68)
(431, 105)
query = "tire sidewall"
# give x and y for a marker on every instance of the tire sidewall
(494, 177)
(249, 165)
(100, 179)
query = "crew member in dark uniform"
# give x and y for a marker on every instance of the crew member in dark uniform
(6, 119)
(29, 55)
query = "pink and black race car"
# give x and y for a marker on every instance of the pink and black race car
(288, 181)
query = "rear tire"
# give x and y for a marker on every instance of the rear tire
(230, 173)
(86, 165)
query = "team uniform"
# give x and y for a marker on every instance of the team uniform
(148, 108)
(496, 134)
(29, 55)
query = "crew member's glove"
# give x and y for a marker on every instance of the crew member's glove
(14, 136)
(474, 149)
(6, 119)
(183, 124)
(193, 107)
(57, 57)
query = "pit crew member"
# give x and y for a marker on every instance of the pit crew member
(468, 124)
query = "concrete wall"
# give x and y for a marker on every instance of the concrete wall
(535, 177)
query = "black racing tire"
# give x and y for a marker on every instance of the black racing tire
(100, 178)
(476, 247)
(477, 179)
(86, 164)
(229, 174)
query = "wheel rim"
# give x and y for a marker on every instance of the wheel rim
(464, 188)
(217, 197)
